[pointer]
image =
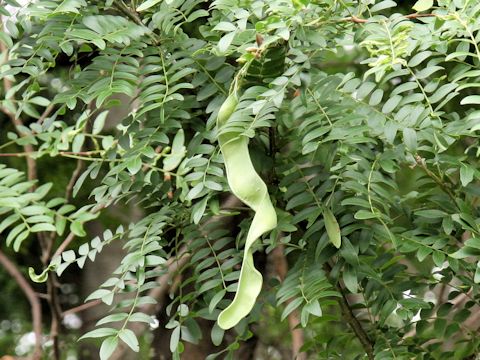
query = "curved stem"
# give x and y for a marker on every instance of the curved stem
(32, 299)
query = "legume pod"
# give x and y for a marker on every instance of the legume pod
(249, 187)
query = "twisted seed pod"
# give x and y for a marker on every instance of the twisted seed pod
(249, 187)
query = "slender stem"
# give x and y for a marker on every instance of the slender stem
(320, 106)
(45, 114)
(120, 5)
(422, 89)
(470, 34)
(373, 209)
(82, 307)
(355, 324)
(71, 236)
(358, 20)
(75, 175)
(32, 299)
(352, 320)
(422, 164)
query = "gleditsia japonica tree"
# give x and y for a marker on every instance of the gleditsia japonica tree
(346, 130)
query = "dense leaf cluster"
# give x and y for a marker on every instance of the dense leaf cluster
(357, 112)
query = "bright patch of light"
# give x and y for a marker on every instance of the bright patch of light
(25, 344)
(72, 321)
(154, 323)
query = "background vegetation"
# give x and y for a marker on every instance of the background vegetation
(116, 218)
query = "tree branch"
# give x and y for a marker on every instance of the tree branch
(82, 307)
(75, 175)
(45, 114)
(355, 324)
(32, 299)
(352, 320)
(131, 14)
(71, 236)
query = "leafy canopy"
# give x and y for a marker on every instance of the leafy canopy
(362, 119)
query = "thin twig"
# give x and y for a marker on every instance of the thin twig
(355, 324)
(32, 299)
(128, 12)
(45, 114)
(82, 307)
(75, 175)
(71, 236)
(417, 15)
(358, 20)
(352, 320)
(423, 165)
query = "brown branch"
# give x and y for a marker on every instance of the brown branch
(45, 114)
(281, 267)
(82, 307)
(32, 299)
(417, 15)
(358, 20)
(17, 122)
(352, 320)
(355, 324)
(71, 236)
(131, 14)
(75, 175)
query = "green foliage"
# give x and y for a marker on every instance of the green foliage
(25, 212)
(362, 122)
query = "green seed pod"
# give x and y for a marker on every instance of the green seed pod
(227, 109)
(249, 187)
